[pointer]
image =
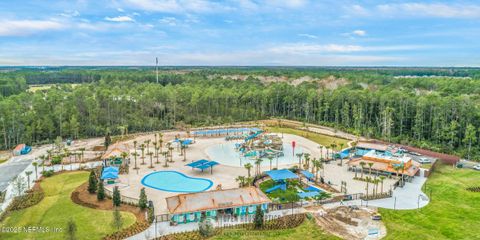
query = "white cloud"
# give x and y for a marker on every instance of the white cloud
(303, 48)
(360, 33)
(440, 10)
(308, 35)
(120, 19)
(287, 3)
(70, 14)
(171, 21)
(176, 6)
(27, 27)
(120, 10)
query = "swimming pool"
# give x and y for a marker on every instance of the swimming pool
(173, 181)
(224, 131)
(226, 154)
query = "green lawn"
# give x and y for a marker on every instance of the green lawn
(57, 208)
(283, 196)
(454, 213)
(318, 138)
(308, 230)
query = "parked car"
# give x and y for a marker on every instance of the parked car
(424, 160)
(354, 207)
(377, 217)
(476, 167)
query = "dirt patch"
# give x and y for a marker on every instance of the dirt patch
(82, 197)
(332, 83)
(349, 223)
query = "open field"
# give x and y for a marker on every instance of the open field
(318, 138)
(308, 230)
(56, 209)
(40, 87)
(453, 213)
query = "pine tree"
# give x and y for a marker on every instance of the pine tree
(258, 219)
(92, 182)
(116, 197)
(100, 191)
(117, 221)
(71, 232)
(142, 202)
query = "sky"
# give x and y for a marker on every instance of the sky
(240, 32)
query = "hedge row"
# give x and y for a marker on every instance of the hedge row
(134, 229)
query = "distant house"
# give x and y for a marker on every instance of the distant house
(185, 208)
(385, 162)
(21, 149)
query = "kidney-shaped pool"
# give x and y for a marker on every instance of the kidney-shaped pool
(173, 181)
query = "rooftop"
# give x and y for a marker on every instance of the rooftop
(216, 199)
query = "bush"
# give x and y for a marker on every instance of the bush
(142, 201)
(92, 182)
(100, 191)
(258, 220)
(56, 160)
(48, 173)
(116, 197)
(134, 229)
(205, 227)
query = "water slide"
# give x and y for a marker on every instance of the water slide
(253, 136)
(280, 186)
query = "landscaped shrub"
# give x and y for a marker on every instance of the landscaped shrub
(116, 199)
(56, 160)
(100, 191)
(24, 201)
(473, 189)
(205, 227)
(92, 182)
(258, 220)
(142, 202)
(134, 229)
(48, 173)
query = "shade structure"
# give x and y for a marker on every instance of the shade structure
(282, 174)
(110, 175)
(197, 163)
(308, 174)
(110, 169)
(203, 164)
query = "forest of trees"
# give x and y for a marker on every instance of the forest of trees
(440, 113)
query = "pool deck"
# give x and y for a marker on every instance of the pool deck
(130, 184)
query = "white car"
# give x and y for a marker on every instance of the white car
(476, 167)
(424, 160)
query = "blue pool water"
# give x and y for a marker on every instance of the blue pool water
(225, 131)
(172, 181)
(226, 154)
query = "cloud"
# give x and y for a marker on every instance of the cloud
(120, 10)
(171, 21)
(120, 19)
(439, 10)
(28, 27)
(360, 33)
(176, 6)
(308, 35)
(70, 14)
(287, 3)
(303, 48)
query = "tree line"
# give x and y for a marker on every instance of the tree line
(435, 113)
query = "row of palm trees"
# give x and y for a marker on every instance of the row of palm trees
(373, 180)
(158, 147)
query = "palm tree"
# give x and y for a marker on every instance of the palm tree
(241, 181)
(370, 164)
(135, 155)
(82, 154)
(124, 156)
(170, 149)
(367, 179)
(355, 169)
(376, 181)
(28, 178)
(307, 161)
(165, 154)
(184, 152)
(147, 143)
(35, 164)
(299, 155)
(157, 149)
(43, 158)
(382, 178)
(317, 164)
(142, 148)
(151, 159)
(258, 161)
(362, 164)
(354, 146)
(270, 158)
(248, 166)
(135, 145)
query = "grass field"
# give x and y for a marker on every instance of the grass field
(318, 138)
(308, 230)
(56, 209)
(453, 213)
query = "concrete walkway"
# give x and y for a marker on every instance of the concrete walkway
(408, 197)
(164, 228)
